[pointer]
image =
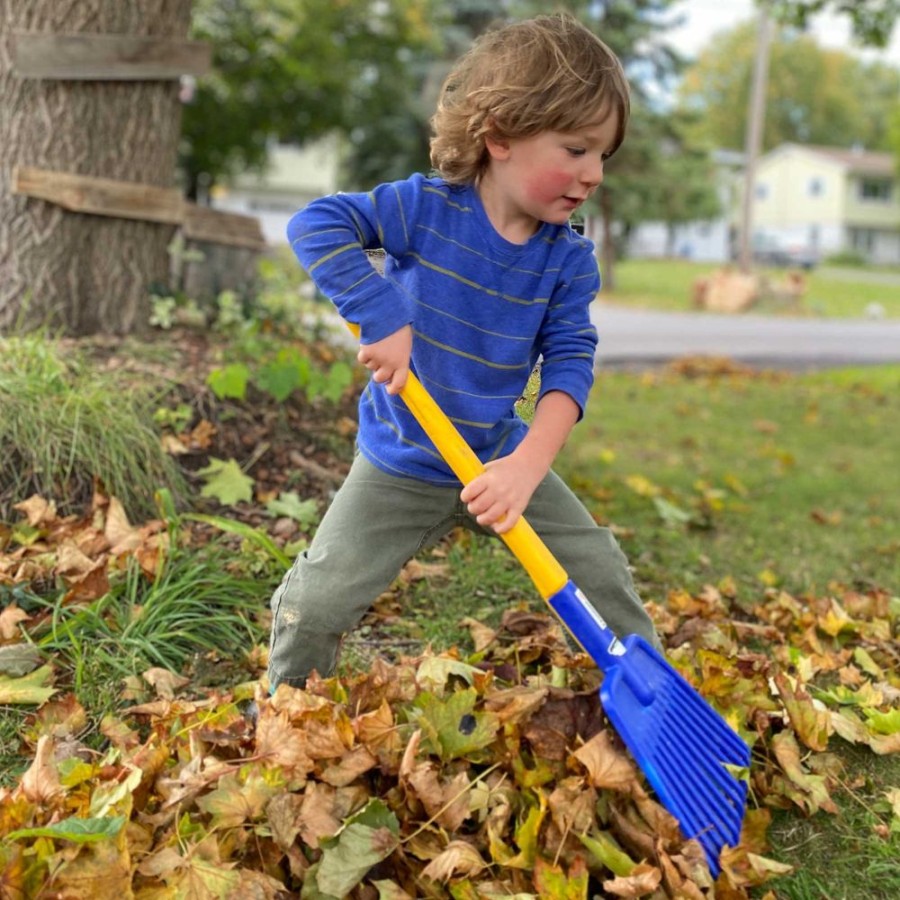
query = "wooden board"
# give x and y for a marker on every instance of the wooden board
(119, 57)
(217, 227)
(101, 196)
(142, 202)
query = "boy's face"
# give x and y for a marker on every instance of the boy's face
(546, 177)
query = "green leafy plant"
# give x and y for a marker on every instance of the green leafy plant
(226, 482)
(288, 370)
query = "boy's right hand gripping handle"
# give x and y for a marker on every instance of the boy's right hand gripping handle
(548, 575)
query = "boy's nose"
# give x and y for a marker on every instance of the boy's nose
(592, 173)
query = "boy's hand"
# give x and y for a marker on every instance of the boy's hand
(501, 493)
(498, 496)
(388, 359)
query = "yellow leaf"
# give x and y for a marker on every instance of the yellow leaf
(768, 577)
(813, 725)
(643, 486)
(30, 688)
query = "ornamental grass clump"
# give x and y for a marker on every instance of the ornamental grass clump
(64, 427)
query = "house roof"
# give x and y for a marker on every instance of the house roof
(864, 162)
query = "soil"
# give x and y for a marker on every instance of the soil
(299, 445)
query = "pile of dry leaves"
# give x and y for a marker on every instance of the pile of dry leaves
(495, 775)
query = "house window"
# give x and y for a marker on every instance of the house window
(816, 187)
(875, 189)
(862, 240)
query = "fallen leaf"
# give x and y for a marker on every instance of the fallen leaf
(32, 688)
(458, 858)
(10, 618)
(607, 765)
(643, 880)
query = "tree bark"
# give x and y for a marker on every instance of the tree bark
(71, 272)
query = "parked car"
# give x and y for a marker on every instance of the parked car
(773, 252)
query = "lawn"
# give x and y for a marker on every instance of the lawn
(666, 284)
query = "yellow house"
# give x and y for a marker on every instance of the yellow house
(827, 200)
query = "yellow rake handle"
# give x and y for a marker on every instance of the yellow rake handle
(546, 573)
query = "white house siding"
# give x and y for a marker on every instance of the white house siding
(700, 241)
(703, 241)
(809, 197)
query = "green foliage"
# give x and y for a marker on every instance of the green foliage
(295, 70)
(662, 173)
(813, 95)
(75, 831)
(254, 536)
(288, 370)
(872, 21)
(304, 512)
(64, 424)
(196, 604)
(226, 482)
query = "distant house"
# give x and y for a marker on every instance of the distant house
(826, 200)
(293, 177)
(705, 241)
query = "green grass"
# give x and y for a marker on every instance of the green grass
(200, 615)
(844, 857)
(770, 479)
(64, 425)
(666, 284)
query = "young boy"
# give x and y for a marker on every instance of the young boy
(483, 277)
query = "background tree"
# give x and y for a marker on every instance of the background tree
(665, 175)
(814, 96)
(873, 21)
(66, 270)
(293, 71)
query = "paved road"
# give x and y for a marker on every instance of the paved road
(639, 337)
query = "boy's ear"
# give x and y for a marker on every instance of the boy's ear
(497, 147)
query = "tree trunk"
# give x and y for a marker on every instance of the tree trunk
(72, 272)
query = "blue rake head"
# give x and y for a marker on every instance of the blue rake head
(683, 746)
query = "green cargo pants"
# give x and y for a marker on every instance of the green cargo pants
(378, 522)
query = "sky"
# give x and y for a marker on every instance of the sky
(703, 18)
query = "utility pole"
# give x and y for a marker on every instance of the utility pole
(756, 115)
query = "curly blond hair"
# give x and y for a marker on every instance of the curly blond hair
(549, 73)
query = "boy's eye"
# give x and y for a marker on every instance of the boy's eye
(576, 151)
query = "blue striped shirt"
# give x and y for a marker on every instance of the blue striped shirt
(483, 311)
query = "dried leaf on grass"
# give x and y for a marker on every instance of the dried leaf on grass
(433, 776)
